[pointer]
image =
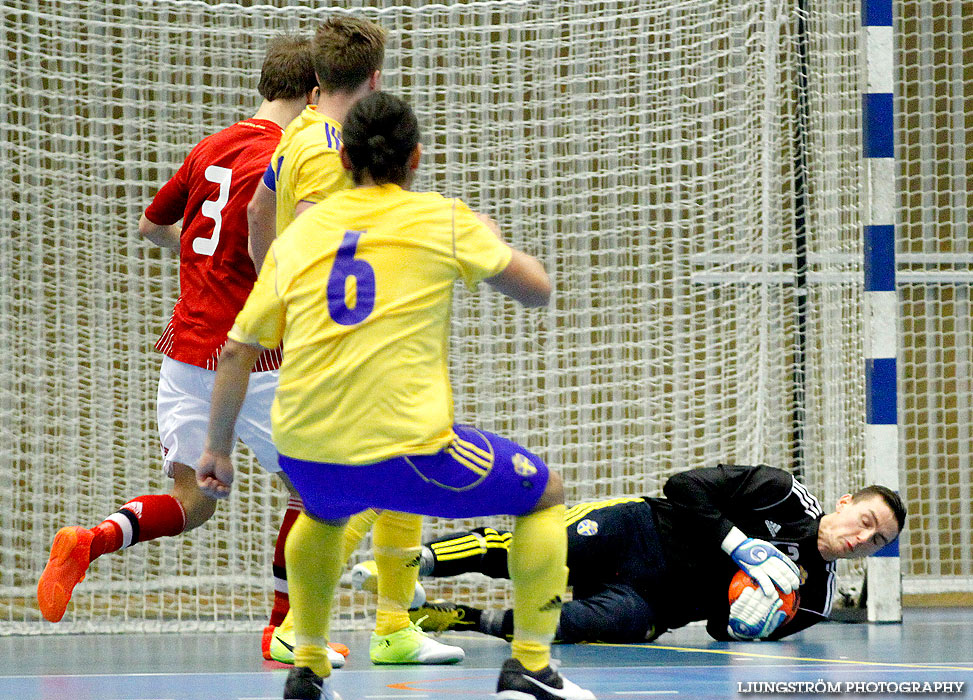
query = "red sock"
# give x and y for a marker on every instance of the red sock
(282, 602)
(140, 520)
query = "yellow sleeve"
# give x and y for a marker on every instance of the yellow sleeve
(320, 175)
(261, 320)
(477, 249)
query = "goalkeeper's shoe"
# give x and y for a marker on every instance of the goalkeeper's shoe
(66, 567)
(410, 645)
(364, 577)
(282, 643)
(517, 683)
(304, 684)
(440, 615)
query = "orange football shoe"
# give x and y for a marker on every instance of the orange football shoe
(66, 567)
(265, 642)
(340, 648)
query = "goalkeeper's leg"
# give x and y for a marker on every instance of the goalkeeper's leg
(483, 551)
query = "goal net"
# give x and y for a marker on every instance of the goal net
(935, 255)
(698, 210)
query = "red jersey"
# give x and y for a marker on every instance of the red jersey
(210, 193)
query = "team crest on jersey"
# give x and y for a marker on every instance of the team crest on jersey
(523, 466)
(587, 527)
(803, 574)
(772, 527)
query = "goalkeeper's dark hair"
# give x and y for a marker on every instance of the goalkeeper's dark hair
(890, 497)
(379, 135)
(288, 69)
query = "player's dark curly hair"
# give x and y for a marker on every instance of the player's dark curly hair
(890, 497)
(379, 135)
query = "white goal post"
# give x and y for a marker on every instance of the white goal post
(702, 228)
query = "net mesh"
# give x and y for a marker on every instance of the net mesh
(707, 305)
(934, 106)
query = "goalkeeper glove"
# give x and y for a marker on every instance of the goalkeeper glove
(765, 564)
(754, 615)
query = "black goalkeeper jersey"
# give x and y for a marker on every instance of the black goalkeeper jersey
(668, 549)
(639, 566)
(700, 507)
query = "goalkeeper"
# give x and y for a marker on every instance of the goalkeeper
(642, 566)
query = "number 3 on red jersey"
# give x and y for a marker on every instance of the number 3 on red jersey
(213, 209)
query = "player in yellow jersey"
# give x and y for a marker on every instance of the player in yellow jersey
(359, 290)
(347, 53)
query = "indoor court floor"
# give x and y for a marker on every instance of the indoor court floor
(933, 646)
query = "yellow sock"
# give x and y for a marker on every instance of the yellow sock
(314, 656)
(314, 565)
(537, 558)
(357, 527)
(397, 541)
(287, 623)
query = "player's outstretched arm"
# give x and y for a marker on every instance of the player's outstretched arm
(524, 280)
(162, 236)
(214, 473)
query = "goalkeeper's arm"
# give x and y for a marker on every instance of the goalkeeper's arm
(711, 496)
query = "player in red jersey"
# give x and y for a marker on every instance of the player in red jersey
(209, 193)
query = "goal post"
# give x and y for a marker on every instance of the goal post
(884, 577)
(646, 152)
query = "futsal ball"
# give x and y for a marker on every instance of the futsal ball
(741, 580)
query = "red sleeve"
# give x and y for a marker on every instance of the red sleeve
(169, 204)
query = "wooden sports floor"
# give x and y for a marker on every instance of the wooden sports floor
(931, 646)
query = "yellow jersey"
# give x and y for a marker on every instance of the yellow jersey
(359, 289)
(307, 164)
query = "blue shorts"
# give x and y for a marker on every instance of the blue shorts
(477, 474)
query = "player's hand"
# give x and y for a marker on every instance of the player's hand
(214, 474)
(765, 564)
(755, 615)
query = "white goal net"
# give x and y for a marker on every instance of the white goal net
(698, 210)
(934, 149)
